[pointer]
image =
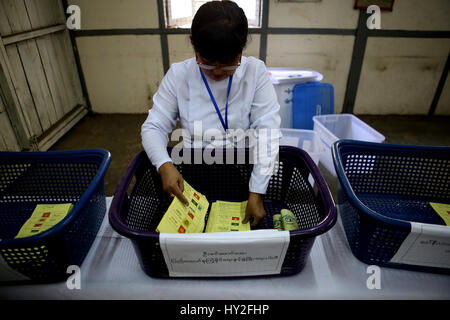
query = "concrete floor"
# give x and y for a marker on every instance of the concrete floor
(117, 133)
(120, 134)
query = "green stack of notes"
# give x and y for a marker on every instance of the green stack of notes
(285, 220)
(277, 224)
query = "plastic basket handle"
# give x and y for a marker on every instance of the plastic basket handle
(121, 195)
(324, 192)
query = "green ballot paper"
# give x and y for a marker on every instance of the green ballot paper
(289, 221)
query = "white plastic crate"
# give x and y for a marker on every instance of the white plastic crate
(284, 80)
(307, 140)
(334, 127)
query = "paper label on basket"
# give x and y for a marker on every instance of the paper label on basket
(9, 274)
(224, 254)
(426, 245)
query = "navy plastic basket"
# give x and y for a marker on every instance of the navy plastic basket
(383, 188)
(140, 202)
(309, 100)
(31, 178)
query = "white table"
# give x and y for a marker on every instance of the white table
(111, 270)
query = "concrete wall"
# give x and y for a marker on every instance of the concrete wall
(328, 54)
(398, 75)
(122, 72)
(117, 14)
(418, 15)
(324, 14)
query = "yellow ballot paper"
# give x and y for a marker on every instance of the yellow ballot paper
(443, 210)
(180, 218)
(227, 216)
(43, 218)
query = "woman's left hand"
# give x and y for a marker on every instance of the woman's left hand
(255, 209)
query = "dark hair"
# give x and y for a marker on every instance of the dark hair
(219, 31)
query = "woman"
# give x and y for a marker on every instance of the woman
(219, 87)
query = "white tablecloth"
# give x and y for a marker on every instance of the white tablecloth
(111, 270)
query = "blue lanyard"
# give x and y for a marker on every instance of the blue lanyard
(224, 124)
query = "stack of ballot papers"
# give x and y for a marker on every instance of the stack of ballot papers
(43, 218)
(227, 216)
(224, 216)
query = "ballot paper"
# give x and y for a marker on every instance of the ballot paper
(225, 254)
(443, 210)
(43, 218)
(227, 216)
(180, 218)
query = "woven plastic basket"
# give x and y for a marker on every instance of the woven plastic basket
(31, 178)
(139, 203)
(384, 191)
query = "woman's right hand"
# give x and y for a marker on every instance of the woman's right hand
(172, 181)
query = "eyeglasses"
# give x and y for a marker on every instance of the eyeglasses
(226, 68)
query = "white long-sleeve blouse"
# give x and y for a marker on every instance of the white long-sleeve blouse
(182, 95)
